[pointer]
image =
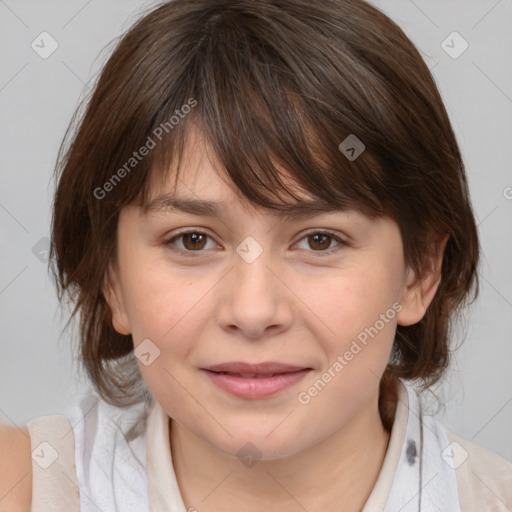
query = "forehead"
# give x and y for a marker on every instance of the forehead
(196, 180)
(201, 186)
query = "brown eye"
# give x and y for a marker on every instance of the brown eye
(321, 242)
(194, 241)
(189, 242)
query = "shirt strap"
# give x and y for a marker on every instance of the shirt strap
(54, 482)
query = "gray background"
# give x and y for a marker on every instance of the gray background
(38, 97)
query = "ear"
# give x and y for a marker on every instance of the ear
(419, 291)
(113, 296)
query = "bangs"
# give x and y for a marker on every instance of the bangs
(257, 120)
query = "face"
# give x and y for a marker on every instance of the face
(321, 295)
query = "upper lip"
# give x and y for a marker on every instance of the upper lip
(263, 368)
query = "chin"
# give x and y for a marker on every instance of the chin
(257, 445)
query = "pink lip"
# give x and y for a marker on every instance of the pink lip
(240, 367)
(254, 386)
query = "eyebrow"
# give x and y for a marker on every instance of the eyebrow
(202, 207)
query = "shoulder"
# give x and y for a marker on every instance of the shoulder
(15, 469)
(484, 479)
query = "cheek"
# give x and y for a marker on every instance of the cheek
(358, 308)
(165, 304)
(353, 300)
(169, 308)
(360, 311)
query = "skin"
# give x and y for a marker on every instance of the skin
(292, 305)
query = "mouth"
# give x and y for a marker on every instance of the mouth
(264, 369)
(251, 375)
(255, 380)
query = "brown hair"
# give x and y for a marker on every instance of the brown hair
(268, 82)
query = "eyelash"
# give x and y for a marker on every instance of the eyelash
(320, 253)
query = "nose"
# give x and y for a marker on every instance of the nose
(254, 300)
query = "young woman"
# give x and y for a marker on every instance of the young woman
(263, 221)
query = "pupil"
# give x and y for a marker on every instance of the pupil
(196, 239)
(320, 237)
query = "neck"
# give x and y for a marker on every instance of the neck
(337, 473)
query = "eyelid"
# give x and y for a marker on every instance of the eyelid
(319, 231)
(186, 231)
(342, 242)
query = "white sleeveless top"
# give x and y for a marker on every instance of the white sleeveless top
(98, 457)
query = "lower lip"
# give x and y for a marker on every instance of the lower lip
(253, 387)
